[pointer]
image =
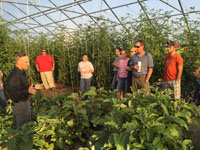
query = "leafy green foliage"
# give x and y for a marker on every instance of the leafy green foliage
(152, 121)
(99, 41)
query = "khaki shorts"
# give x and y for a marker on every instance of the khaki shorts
(139, 82)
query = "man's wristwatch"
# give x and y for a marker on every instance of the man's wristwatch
(146, 80)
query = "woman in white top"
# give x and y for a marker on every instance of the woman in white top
(86, 69)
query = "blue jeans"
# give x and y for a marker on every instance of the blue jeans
(3, 100)
(196, 94)
(85, 84)
(114, 81)
(122, 85)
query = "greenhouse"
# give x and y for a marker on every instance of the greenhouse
(64, 116)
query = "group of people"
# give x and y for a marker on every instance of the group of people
(135, 71)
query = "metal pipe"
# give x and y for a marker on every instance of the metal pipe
(185, 19)
(98, 11)
(146, 14)
(66, 15)
(82, 14)
(15, 18)
(49, 10)
(116, 16)
(170, 6)
(29, 4)
(50, 19)
(88, 14)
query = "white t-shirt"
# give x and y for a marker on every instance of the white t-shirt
(85, 66)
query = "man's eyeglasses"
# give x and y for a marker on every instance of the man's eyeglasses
(137, 46)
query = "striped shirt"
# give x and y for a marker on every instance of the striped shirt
(117, 59)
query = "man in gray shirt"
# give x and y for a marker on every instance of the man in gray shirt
(115, 69)
(142, 66)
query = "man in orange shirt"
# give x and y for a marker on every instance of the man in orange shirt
(173, 70)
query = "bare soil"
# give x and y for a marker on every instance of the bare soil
(60, 90)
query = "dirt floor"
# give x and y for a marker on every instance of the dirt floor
(60, 90)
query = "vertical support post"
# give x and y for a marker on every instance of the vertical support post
(1, 5)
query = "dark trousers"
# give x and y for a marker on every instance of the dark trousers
(85, 84)
(122, 85)
(114, 81)
(196, 94)
(22, 112)
(3, 100)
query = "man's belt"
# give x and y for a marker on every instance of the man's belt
(140, 76)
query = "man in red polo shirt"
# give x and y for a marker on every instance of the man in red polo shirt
(173, 70)
(45, 64)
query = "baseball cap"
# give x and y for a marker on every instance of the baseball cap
(172, 43)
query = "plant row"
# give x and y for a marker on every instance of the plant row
(102, 122)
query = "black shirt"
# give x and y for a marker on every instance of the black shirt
(17, 85)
